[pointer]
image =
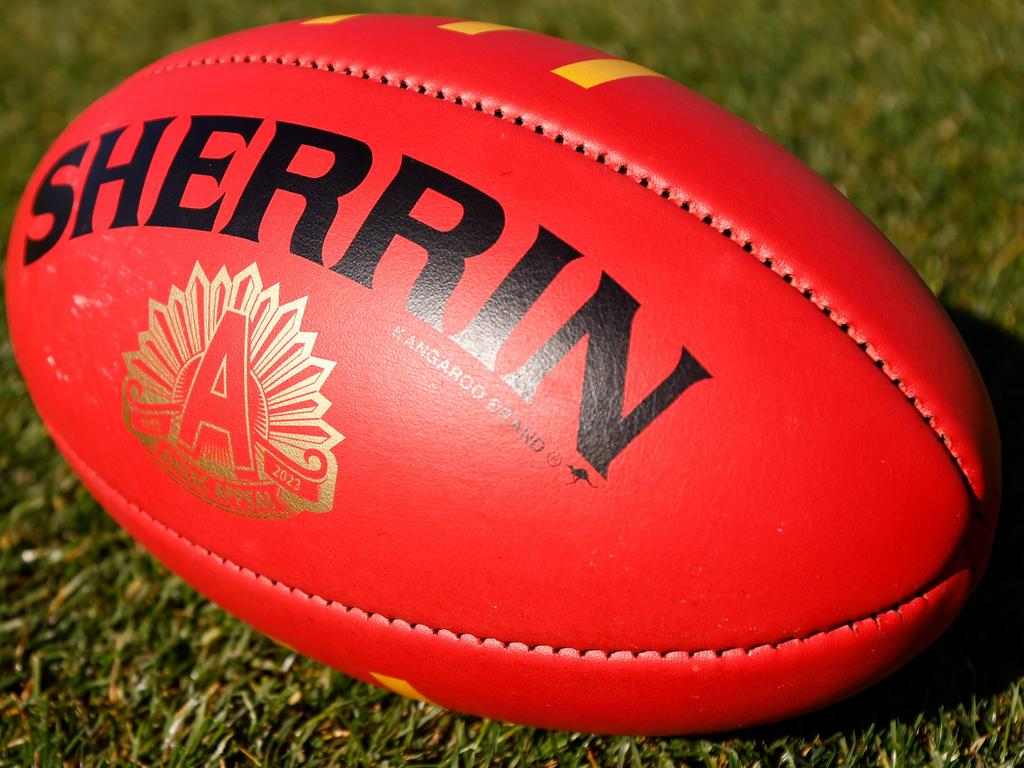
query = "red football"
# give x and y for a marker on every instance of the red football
(504, 374)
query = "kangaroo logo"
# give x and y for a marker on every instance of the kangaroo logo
(580, 473)
(224, 392)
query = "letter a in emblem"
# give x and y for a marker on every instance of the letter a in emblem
(224, 392)
(217, 404)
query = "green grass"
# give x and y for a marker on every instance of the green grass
(914, 110)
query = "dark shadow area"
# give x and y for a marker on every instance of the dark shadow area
(984, 649)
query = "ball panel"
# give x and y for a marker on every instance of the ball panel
(562, 688)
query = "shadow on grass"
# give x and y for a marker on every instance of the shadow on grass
(984, 649)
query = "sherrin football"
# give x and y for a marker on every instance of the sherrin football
(502, 373)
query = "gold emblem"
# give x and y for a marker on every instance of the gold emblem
(224, 392)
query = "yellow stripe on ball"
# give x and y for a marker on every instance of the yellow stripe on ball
(401, 687)
(473, 27)
(331, 19)
(587, 74)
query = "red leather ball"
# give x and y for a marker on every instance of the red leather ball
(502, 373)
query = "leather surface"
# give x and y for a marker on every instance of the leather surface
(838, 467)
